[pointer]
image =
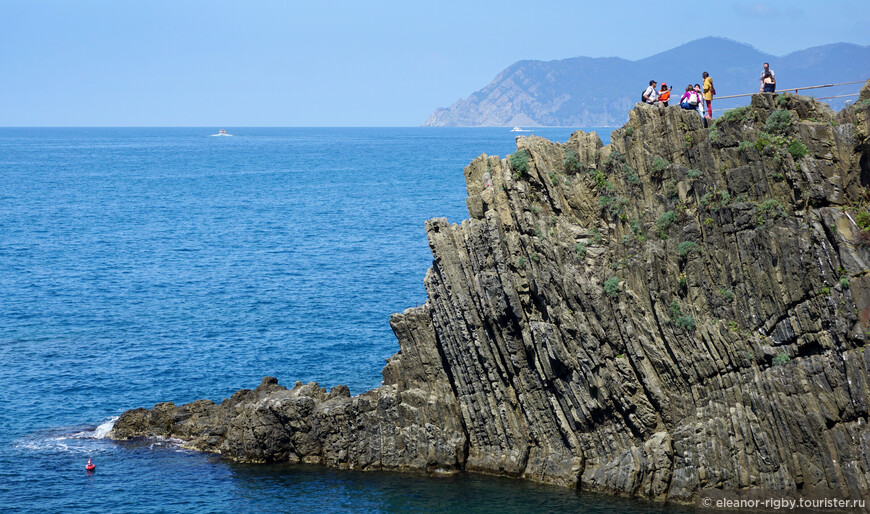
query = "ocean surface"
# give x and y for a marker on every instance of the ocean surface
(147, 265)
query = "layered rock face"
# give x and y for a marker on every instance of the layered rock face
(684, 309)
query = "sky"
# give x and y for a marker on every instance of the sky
(231, 63)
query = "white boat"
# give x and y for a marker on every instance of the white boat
(222, 132)
(517, 129)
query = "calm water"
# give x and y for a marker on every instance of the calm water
(145, 265)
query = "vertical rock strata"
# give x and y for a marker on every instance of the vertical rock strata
(683, 309)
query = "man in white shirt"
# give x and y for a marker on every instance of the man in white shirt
(650, 95)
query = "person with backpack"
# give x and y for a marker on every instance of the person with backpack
(688, 100)
(691, 100)
(650, 96)
(768, 83)
(709, 91)
(768, 80)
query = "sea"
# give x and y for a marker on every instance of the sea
(141, 265)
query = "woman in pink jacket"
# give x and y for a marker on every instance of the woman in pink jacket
(691, 100)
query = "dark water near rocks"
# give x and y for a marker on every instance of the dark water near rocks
(145, 265)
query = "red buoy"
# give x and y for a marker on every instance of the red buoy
(89, 466)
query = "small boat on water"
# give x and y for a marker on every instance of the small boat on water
(222, 132)
(517, 129)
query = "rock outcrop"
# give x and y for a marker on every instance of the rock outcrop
(683, 309)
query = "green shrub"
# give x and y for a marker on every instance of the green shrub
(659, 164)
(629, 131)
(580, 248)
(637, 230)
(687, 246)
(572, 163)
(615, 206)
(778, 122)
(687, 140)
(679, 319)
(770, 205)
(715, 199)
(727, 293)
(675, 309)
(844, 282)
(740, 114)
(519, 161)
(770, 208)
(611, 287)
(782, 100)
(862, 219)
(554, 178)
(521, 263)
(535, 257)
(630, 174)
(781, 359)
(685, 322)
(694, 173)
(614, 157)
(596, 236)
(713, 135)
(797, 150)
(671, 190)
(744, 146)
(664, 222)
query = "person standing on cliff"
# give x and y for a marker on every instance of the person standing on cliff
(772, 78)
(709, 91)
(700, 96)
(650, 95)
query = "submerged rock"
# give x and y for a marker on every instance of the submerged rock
(683, 309)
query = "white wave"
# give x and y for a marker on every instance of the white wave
(99, 432)
(40, 445)
(103, 430)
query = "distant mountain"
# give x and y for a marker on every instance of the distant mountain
(586, 91)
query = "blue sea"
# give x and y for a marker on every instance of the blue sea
(140, 265)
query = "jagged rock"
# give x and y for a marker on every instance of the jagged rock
(684, 309)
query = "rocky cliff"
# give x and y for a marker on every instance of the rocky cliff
(684, 309)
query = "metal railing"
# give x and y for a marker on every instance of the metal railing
(796, 89)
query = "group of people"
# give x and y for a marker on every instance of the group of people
(695, 98)
(700, 96)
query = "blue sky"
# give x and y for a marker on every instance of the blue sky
(340, 63)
